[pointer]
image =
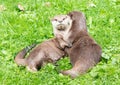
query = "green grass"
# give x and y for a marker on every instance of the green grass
(20, 29)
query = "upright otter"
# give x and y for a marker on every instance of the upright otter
(85, 52)
(48, 51)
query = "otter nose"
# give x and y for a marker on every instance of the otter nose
(60, 21)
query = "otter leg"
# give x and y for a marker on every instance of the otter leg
(62, 42)
(32, 67)
(72, 73)
(80, 67)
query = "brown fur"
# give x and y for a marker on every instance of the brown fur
(48, 51)
(85, 52)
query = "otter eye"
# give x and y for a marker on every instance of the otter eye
(63, 18)
(55, 19)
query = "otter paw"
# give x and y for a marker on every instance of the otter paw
(70, 73)
(33, 69)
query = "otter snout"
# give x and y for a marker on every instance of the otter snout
(61, 27)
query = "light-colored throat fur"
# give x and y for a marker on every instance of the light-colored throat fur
(62, 25)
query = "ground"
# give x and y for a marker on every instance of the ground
(22, 27)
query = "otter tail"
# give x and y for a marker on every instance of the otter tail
(20, 58)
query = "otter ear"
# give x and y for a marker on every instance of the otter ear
(71, 15)
(51, 18)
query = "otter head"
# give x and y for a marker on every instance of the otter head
(61, 23)
(79, 20)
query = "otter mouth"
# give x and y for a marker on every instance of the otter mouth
(61, 27)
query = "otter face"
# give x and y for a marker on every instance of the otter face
(61, 23)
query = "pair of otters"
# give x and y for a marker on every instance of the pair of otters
(71, 38)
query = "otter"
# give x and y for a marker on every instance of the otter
(48, 51)
(85, 52)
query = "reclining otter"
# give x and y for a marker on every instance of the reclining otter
(85, 52)
(48, 51)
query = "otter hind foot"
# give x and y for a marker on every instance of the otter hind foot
(70, 73)
(33, 69)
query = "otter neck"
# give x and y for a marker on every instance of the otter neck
(80, 34)
(79, 30)
(79, 25)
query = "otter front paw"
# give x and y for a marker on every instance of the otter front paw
(69, 45)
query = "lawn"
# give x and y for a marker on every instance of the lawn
(19, 29)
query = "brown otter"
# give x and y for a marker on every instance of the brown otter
(48, 51)
(85, 52)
